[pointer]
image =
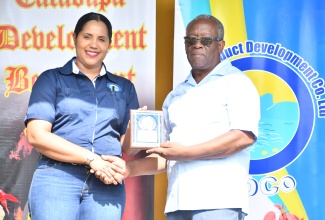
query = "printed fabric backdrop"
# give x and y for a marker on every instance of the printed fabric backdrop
(280, 45)
(37, 35)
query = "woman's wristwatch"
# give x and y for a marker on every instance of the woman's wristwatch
(90, 158)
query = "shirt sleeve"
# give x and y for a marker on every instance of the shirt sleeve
(42, 99)
(243, 103)
(166, 118)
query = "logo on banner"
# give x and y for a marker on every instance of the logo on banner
(291, 94)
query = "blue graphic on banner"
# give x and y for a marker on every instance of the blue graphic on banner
(296, 24)
(271, 125)
(191, 8)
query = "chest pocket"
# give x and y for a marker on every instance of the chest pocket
(67, 101)
(115, 104)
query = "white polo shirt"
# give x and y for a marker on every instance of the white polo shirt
(225, 99)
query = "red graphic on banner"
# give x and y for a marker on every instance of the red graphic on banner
(23, 148)
(3, 200)
(284, 216)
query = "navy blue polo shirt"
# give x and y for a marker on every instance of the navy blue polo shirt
(91, 117)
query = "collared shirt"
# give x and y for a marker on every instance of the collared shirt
(76, 70)
(93, 117)
(225, 99)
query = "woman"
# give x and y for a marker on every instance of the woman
(77, 113)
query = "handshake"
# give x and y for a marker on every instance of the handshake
(113, 170)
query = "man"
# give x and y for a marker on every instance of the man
(211, 118)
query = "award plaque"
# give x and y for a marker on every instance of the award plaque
(147, 130)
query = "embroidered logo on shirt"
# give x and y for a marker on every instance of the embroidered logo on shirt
(114, 87)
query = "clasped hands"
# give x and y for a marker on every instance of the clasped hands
(110, 169)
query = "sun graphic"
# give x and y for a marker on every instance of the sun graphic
(269, 83)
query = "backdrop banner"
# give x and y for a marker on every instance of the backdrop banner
(36, 36)
(281, 47)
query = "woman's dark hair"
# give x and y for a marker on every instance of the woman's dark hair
(93, 16)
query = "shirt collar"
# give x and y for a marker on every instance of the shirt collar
(76, 70)
(217, 71)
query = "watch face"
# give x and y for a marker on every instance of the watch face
(90, 157)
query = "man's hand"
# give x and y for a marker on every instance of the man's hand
(171, 151)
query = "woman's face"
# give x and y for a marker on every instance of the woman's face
(92, 45)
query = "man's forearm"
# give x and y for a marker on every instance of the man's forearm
(149, 165)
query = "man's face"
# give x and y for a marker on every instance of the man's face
(203, 58)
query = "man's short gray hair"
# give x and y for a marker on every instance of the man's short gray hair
(219, 25)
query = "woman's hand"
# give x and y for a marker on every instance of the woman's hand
(111, 170)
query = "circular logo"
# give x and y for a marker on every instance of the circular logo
(147, 123)
(285, 126)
